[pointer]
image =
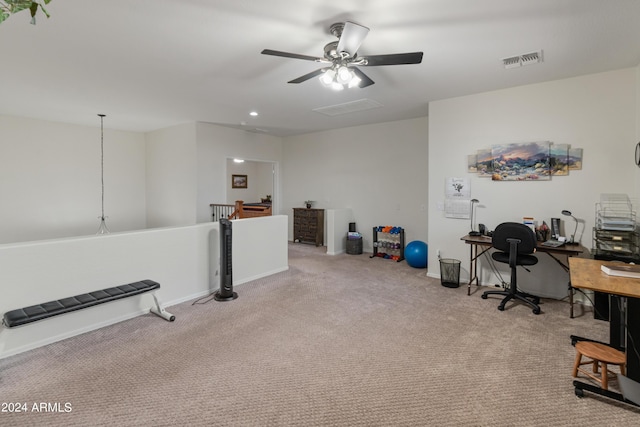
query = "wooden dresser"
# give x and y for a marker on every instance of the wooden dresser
(308, 226)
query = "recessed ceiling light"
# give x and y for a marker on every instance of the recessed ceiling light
(238, 160)
(253, 113)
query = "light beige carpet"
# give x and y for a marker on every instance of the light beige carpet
(335, 341)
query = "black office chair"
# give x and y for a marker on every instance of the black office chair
(515, 243)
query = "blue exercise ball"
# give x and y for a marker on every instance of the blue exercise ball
(416, 254)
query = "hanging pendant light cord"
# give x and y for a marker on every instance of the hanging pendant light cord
(102, 158)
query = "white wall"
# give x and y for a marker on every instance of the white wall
(187, 170)
(595, 112)
(171, 174)
(184, 260)
(378, 171)
(216, 144)
(50, 181)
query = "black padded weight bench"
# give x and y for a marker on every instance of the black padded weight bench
(26, 315)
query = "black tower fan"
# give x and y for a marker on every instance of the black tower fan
(226, 270)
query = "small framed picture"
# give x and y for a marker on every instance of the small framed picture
(238, 181)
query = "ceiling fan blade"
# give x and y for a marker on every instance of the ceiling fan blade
(291, 55)
(308, 76)
(393, 59)
(364, 79)
(351, 38)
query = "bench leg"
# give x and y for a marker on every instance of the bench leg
(159, 311)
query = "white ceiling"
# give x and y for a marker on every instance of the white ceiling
(149, 64)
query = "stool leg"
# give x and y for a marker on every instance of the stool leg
(623, 370)
(605, 377)
(577, 363)
(595, 366)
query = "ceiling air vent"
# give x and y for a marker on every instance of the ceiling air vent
(348, 107)
(257, 130)
(524, 59)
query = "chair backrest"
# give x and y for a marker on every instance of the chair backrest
(514, 230)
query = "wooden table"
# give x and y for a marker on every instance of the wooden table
(586, 274)
(481, 244)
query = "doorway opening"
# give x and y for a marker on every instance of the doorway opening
(261, 178)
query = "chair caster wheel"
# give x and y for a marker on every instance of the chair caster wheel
(536, 311)
(579, 392)
(501, 307)
(484, 296)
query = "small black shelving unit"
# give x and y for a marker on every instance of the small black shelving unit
(388, 242)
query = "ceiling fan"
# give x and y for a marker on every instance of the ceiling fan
(342, 59)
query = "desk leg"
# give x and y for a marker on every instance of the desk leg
(616, 320)
(473, 274)
(570, 300)
(473, 265)
(566, 268)
(633, 338)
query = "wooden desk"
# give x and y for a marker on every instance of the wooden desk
(586, 274)
(481, 244)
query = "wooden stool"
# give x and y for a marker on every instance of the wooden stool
(600, 354)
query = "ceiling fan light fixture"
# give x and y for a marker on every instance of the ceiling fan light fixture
(327, 77)
(355, 81)
(343, 76)
(340, 77)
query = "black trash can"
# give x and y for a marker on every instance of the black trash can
(354, 246)
(450, 272)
